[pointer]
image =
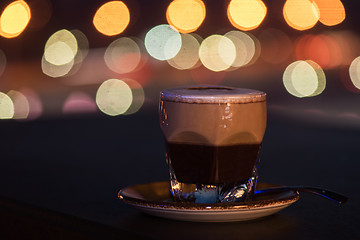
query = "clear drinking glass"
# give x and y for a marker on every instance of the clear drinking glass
(213, 137)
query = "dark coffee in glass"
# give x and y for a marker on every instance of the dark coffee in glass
(213, 137)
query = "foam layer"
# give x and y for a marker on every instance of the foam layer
(212, 94)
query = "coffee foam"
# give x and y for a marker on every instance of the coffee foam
(213, 124)
(212, 94)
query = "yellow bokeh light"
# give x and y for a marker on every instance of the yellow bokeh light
(114, 97)
(245, 47)
(246, 14)
(61, 48)
(163, 42)
(6, 106)
(138, 96)
(332, 12)
(188, 55)
(56, 71)
(14, 19)
(186, 15)
(112, 18)
(217, 53)
(21, 104)
(304, 79)
(354, 71)
(301, 14)
(122, 55)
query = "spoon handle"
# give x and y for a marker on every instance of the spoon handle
(338, 198)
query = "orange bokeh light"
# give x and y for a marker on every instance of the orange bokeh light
(246, 14)
(301, 14)
(332, 12)
(186, 15)
(112, 18)
(14, 19)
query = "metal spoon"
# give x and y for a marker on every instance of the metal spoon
(338, 198)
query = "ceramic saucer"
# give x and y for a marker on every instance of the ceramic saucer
(155, 199)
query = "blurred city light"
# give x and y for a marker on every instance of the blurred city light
(188, 56)
(354, 71)
(304, 79)
(2, 62)
(112, 18)
(14, 19)
(276, 46)
(332, 12)
(246, 14)
(21, 104)
(79, 102)
(114, 97)
(186, 15)
(163, 42)
(6, 106)
(35, 103)
(217, 53)
(244, 45)
(301, 14)
(122, 55)
(138, 96)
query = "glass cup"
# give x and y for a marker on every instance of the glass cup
(213, 137)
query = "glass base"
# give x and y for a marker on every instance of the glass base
(222, 193)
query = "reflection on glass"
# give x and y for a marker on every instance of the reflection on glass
(112, 18)
(21, 104)
(304, 79)
(186, 15)
(246, 14)
(114, 97)
(301, 14)
(354, 71)
(14, 19)
(122, 55)
(188, 56)
(6, 106)
(217, 53)
(163, 42)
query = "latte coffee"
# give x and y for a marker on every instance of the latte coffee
(213, 134)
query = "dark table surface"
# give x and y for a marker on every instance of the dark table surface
(59, 179)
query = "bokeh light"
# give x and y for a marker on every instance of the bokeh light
(35, 103)
(14, 19)
(163, 42)
(114, 97)
(55, 71)
(21, 104)
(188, 56)
(186, 15)
(6, 106)
(321, 48)
(2, 62)
(244, 45)
(301, 14)
(354, 71)
(138, 96)
(217, 53)
(304, 79)
(276, 46)
(61, 47)
(79, 102)
(112, 18)
(332, 12)
(122, 55)
(246, 14)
